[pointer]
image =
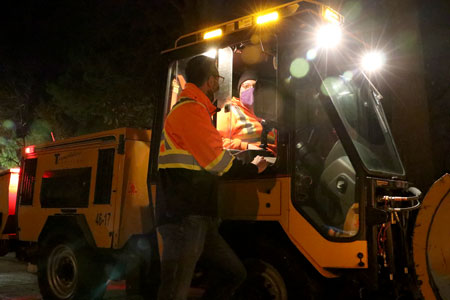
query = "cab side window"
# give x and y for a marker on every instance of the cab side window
(177, 77)
(239, 122)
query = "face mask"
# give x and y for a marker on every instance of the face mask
(214, 89)
(210, 95)
(247, 97)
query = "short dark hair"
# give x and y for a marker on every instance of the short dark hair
(199, 68)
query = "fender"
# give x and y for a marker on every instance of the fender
(75, 224)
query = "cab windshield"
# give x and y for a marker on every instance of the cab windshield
(358, 105)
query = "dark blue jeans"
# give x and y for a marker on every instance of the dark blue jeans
(183, 244)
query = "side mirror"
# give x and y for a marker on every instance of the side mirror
(266, 100)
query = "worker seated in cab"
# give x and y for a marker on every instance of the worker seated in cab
(237, 123)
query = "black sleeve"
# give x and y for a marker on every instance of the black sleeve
(240, 170)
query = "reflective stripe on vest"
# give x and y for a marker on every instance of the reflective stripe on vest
(248, 126)
(249, 133)
(221, 164)
(170, 157)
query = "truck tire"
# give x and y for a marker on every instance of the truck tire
(67, 270)
(275, 273)
(263, 282)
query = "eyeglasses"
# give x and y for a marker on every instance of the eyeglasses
(220, 79)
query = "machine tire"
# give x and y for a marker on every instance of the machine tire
(67, 270)
(263, 282)
(277, 274)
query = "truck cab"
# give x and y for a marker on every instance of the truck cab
(337, 180)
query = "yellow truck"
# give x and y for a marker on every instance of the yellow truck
(332, 217)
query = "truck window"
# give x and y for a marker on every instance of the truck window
(323, 176)
(239, 124)
(232, 63)
(177, 77)
(324, 179)
(103, 182)
(56, 183)
(29, 178)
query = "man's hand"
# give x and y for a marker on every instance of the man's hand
(261, 163)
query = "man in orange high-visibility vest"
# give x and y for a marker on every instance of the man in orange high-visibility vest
(191, 159)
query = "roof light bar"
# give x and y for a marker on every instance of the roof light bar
(270, 17)
(285, 10)
(212, 34)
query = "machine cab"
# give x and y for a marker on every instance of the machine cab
(320, 113)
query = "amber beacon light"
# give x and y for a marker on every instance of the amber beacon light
(212, 34)
(270, 17)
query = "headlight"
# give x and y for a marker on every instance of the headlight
(328, 36)
(373, 61)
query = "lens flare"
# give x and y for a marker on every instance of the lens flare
(328, 36)
(373, 61)
(299, 68)
(311, 54)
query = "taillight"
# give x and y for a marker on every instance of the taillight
(12, 193)
(29, 150)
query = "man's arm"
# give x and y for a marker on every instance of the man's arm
(204, 142)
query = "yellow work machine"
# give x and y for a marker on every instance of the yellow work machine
(332, 217)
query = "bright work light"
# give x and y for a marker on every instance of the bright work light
(212, 34)
(328, 36)
(372, 61)
(270, 17)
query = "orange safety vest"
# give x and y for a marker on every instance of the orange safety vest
(189, 139)
(240, 127)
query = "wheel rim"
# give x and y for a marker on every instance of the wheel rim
(62, 271)
(264, 283)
